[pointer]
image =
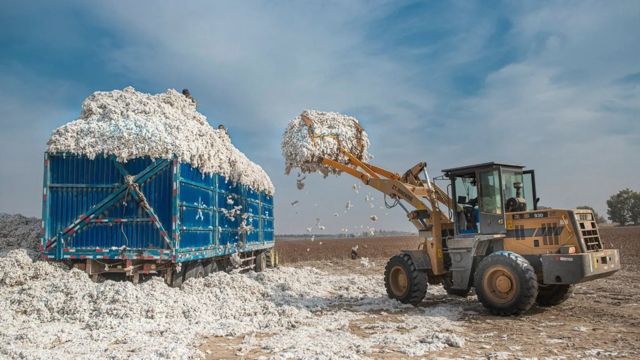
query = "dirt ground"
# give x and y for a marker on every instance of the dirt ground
(601, 320)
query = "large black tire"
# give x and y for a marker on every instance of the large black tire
(272, 258)
(506, 283)
(210, 268)
(447, 284)
(194, 271)
(261, 262)
(552, 295)
(403, 281)
(177, 277)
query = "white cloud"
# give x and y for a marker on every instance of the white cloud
(555, 105)
(559, 109)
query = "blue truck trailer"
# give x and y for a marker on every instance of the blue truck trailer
(151, 217)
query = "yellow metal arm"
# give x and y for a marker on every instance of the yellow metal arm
(409, 187)
(428, 217)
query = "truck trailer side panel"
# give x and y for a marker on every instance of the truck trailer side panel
(148, 209)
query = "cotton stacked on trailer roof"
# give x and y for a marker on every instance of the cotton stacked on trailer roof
(129, 124)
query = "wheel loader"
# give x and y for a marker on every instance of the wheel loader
(485, 232)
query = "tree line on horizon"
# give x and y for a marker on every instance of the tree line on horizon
(624, 207)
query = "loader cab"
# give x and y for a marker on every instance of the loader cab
(482, 194)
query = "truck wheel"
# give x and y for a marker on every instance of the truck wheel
(506, 283)
(210, 268)
(447, 284)
(552, 295)
(195, 271)
(177, 277)
(403, 281)
(272, 258)
(261, 262)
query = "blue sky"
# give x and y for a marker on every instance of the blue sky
(552, 85)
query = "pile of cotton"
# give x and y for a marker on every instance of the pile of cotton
(129, 124)
(304, 147)
(19, 232)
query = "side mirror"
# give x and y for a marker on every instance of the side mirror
(537, 200)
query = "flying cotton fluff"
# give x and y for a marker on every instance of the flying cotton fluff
(304, 147)
(129, 124)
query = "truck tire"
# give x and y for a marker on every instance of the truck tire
(272, 258)
(447, 284)
(177, 277)
(210, 268)
(552, 295)
(194, 271)
(506, 283)
(261, 262)
(403, 281)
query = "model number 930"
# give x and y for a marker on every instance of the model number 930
(539, 215)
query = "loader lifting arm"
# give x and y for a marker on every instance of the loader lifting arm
(422, 194)
(397, 188)
(427, 217)
(408, 187)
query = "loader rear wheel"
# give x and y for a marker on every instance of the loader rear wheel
(403, 281)
(506, 283)
(552, 295)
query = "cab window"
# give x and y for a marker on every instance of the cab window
(529, 189)
(490, 200)
(509, 179)
(466, 190)
(467, 216)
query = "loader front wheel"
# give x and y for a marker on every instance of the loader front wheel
(506, 283)
(552, 295)
(403, 281)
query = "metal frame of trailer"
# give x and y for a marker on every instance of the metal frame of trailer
(146, 215)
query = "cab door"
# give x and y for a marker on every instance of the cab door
(490, 202)
(529, 189)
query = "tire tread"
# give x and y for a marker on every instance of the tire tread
(417, 279)
(525, 274)
(552, 295)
